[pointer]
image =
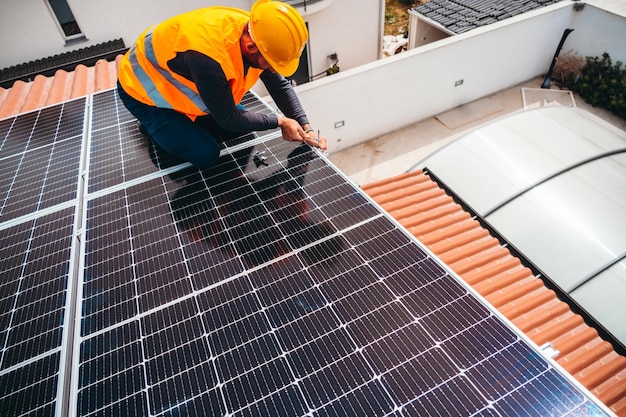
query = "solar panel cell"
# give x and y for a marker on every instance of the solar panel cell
(362, 302)
(118, 151)
(286, 402)
(232, 311)
(453, 318)
(541, 396)
(457, 397)
(5, 126)
(184, 384)
(238, 333)
(247, 356)
(208, 404)
(97, 398)
(432, 296)
(419, 375)
(18, 134)
(389, 350)
(411, 278)
(367, 400)
(72, 121)
(110, 363)
(308, 327)
(378, 324)
(348, 283)
(256, 384)
(31, 389)
(40, 165)
(62, 174)
(320, 352)
(45, 128)
(132, 406)
(108, 110)
(478, 342)
(286, 288)
(337, 379)
(505, 370)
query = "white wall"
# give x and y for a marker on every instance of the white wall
(382, 96)
(423, 32)
(330, 31)
(28, 30)
(597, 31)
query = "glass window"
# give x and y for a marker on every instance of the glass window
(65, 18)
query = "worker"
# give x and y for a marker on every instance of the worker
(184, 78)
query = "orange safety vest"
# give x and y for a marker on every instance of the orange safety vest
(212, 31)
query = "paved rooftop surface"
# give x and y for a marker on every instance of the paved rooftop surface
(397, 152)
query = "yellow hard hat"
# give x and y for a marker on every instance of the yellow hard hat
(279, 32)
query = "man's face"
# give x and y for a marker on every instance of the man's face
(253, 57)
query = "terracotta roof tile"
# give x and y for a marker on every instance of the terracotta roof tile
(518, 306)
(418, 203)
(572, 340)
(496, 275)
(620, 406)
(46, 91)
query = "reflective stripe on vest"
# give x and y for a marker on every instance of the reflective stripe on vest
(148, 83)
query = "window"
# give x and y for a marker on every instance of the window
(302, 75)
(66, 20)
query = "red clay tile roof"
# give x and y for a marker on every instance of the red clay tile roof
(460, 241)
(46, 91)
(420, 205)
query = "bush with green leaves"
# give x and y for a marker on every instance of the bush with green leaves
(603, 84)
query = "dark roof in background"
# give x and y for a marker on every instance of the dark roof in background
(67, 61)
(459, 16)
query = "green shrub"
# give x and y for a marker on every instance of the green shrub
(603, 84)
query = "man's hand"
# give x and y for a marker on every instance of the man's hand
(316, 141)
(293, 132)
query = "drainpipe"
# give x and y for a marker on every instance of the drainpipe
(548, 79)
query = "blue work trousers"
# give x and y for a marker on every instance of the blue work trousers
(193, 141)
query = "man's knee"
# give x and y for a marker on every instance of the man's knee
(206, 156)
(200, 150)
(188, 142)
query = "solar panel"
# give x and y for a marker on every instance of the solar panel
(35, 259)
(267, 285)
(40, 156)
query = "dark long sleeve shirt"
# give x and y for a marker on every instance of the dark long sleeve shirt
(215, 91)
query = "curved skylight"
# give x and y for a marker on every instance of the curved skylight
(552, 181)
